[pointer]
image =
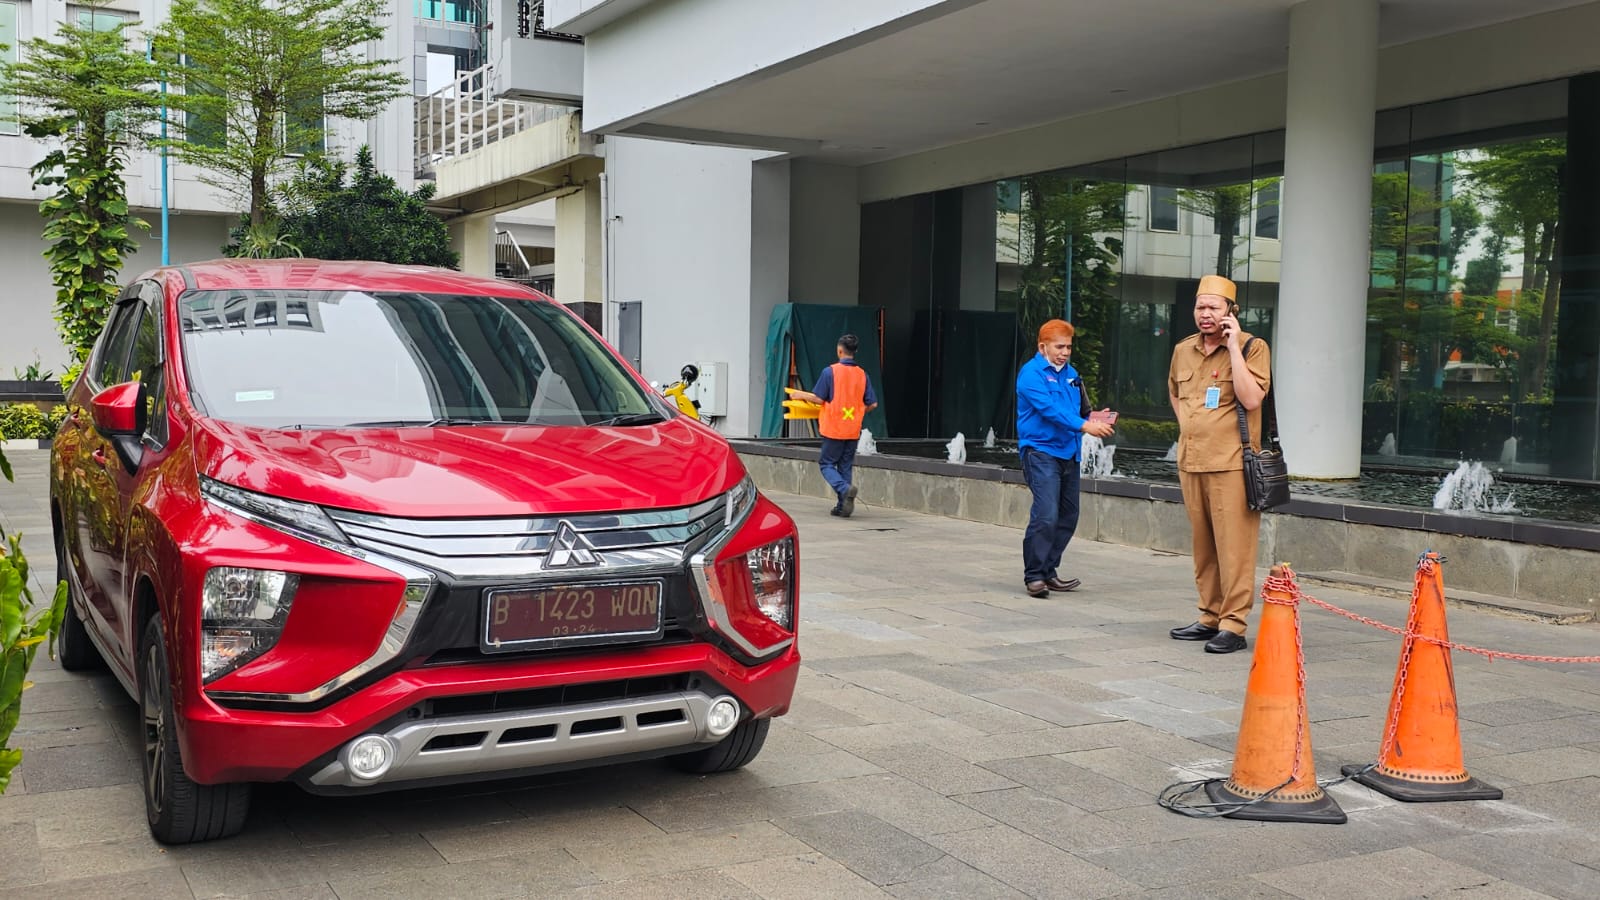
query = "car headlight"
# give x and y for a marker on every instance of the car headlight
(741, 500)
(306, 519)
(243, 612)
(772, 581)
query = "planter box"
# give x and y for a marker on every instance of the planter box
(30, 392)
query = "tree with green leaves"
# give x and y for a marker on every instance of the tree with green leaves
(89, 95)
(1226, 206)
(368, 218)
(1070, 225)
(1521, 182)
(260, 78)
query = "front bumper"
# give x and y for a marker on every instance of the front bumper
(464, 747)
(229, 745)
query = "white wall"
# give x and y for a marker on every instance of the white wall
(27, 306)
(681, 245)
(824, 234)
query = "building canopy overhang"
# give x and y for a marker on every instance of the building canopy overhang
(850, 83)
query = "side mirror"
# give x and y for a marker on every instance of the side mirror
(117, 411)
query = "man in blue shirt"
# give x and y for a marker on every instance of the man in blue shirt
(1050, 430)
(845, 392)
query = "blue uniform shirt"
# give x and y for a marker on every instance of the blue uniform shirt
(824, 388)
(1047, 408)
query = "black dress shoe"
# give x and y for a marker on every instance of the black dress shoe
(1193, 632)
(1037, 589)
(1057, 584)
(1225, 642)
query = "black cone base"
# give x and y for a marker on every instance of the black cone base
(1423, 791)
(1322, 811)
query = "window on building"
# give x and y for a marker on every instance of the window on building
(1267, 210)
(303, 129)
(1163, 208)
(98, 19)
(9, 123)
(204, 127)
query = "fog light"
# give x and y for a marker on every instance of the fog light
(369, 757)
(723, 715)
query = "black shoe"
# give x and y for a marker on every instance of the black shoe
(1193, 632)
(834, 511)
(1037, 589)
(1225, 642)
(1057, 584)
(847, 506)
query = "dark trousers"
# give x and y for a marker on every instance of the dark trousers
(837, 461)
(1054, 517)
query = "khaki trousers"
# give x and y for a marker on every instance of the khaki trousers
(1225, 535)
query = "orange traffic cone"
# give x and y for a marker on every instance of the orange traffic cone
(1274, 777)
(1420, 758)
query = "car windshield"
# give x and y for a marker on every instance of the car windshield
(330, 359)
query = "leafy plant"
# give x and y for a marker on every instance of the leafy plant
(22, 630)
(24, 421)
(263, 241)
(261, 77)
(368, 218)
(90, 95)
(34, 372)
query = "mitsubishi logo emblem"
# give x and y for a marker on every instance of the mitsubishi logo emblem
(569, 548)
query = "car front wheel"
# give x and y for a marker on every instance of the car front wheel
(732, 752)
(179, 810)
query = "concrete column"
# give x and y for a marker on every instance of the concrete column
(473, 239)
(1327, 200)
(580, 272)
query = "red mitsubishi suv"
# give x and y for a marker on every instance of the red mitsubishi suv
(363, 527)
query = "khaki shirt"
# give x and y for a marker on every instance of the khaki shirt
(1208, 439)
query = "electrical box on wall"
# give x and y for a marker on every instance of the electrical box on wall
(711, 389)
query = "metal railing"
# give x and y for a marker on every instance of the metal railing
(510, 262)
(464, 116)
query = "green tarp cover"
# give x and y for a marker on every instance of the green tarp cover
(813, 330)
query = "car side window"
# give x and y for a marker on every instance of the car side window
(112, 363)
(145, 362)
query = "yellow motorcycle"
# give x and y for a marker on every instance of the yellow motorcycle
(677, 391)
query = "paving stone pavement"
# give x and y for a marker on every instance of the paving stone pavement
(951, 737)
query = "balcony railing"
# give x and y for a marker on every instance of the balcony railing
(463, 116)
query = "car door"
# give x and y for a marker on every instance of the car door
(146, 364)
(94, 495)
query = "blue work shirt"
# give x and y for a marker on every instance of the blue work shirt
(824, 388)
(1047, 409)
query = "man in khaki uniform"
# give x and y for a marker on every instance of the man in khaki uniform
(1210, 377)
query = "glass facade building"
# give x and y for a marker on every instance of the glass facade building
(1482, 312)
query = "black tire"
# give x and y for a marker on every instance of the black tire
(732, 752)
(74, 648)
(179, 810)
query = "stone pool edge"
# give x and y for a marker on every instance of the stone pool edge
(1533, 561)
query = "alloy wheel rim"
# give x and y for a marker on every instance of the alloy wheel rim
(155, 727)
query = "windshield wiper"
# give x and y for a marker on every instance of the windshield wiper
(427, 423)
(647, 418)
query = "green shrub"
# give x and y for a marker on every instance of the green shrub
(1155, 434)
(21, 421)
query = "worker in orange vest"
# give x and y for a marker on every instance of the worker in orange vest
(845, 392)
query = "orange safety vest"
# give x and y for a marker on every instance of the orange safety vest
(841, 417)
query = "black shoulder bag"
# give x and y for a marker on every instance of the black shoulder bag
(1266, 474)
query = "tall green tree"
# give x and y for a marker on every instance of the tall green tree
(1070, 226)
(1522, 184)
(260, 78)
(369, 217)
(90, 96)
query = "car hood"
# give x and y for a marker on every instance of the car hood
(459, 472)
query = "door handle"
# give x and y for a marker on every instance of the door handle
(99, 456)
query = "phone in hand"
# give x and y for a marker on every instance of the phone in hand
(1107, 416)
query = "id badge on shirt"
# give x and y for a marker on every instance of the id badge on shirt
(1213, 397)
